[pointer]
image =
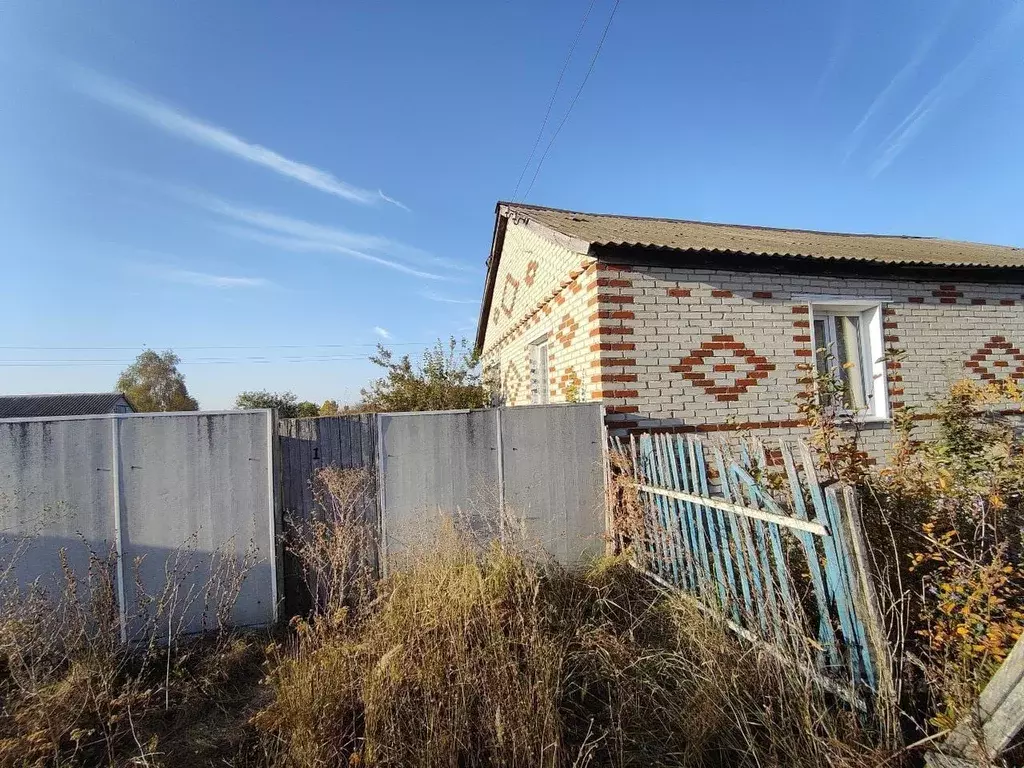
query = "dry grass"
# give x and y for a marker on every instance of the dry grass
(73, 694)
(478, 656)
(470, 656)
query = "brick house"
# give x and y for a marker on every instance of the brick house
(713, 328)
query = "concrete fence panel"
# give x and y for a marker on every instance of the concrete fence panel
(437, 463)
(175, 497)
(553, 469)
(197, 498)
(56, 491)
(536, 469)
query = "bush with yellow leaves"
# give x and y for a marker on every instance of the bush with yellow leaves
(954, 508)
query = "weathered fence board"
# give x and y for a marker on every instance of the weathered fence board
(308, 445)
(997, 720)
(712, 528)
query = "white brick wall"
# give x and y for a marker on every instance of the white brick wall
(686, 321)
(541, 288)
(646, 339)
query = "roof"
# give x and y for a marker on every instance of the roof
(83, 404)
(586, 232)
(682, 235)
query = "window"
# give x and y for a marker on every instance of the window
(539, 377)
(848, 350)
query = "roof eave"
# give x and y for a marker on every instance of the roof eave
(497, 242)
(746, 261)
(502, 212)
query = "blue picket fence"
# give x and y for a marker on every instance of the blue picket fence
(769, 548)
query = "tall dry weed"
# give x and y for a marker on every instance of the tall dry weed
(478, 656)
(74, 692)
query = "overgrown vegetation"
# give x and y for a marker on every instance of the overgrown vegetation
(952, 512)
(447, 377)
(945, 518)
(476, 655)
(73, 693)
(471, 655)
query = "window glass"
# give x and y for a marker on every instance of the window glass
(849, 354)
(839, 355)
(821, 347)
(541, 385)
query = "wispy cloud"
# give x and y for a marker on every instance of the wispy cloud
(953, 83)
(301, 236)
(430, 295)
(900, 78)
(207, 280)
(840, 45)
(174, 121)
(300, 245)
(384, 333)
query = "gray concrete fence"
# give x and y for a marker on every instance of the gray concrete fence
(187, 493)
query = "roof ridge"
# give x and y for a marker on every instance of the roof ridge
(749, 227)
(65, 394)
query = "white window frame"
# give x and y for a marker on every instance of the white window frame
(540, 376)
(872, 349)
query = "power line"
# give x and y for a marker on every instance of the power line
(572, 104)
(554, 93)
(224, 361)
(212, 346)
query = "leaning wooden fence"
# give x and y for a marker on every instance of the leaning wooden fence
(780, 565)
(995, 722)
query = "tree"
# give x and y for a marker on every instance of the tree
(448, 377)
(153, 383)
(285, 403)
(329, 408)
(307, 410)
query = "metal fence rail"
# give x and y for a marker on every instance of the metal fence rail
(768, 548)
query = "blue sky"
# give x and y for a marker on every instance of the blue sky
(271, 188)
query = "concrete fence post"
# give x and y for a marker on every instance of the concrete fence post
(382, 506)
(502, 522)
(115, 457)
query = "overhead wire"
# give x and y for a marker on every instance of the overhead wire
(197, 361)
(309, 357)
(554, 94)
(572, 104)
(216, 346)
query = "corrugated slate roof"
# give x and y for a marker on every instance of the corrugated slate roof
(601, 229)
(83, 404)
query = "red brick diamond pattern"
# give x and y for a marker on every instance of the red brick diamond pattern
(997, 359)
(724, 368)
(509, 292)
(566, 330)
(531, 273)
(513, 381)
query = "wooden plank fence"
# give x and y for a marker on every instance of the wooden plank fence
(997, 720)
(308, 445)
(778, 565)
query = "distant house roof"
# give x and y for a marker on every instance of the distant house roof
(593, 233)
(83, 404)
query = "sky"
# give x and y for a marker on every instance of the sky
(270, 189)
